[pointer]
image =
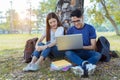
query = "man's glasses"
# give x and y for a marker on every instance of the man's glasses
(76, 21)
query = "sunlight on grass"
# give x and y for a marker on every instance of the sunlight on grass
(17, 41)
(113, 39)
(11, 57)
(11, 41)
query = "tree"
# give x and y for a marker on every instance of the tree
(48, 6)
(4, 25)
(106, 9)
(64, 9)
(15, 21)
(44, 8)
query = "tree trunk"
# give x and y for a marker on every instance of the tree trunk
(109, 17)
(114, 25)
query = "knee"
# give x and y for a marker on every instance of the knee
(36, 54)
(98, 55)
(40, 44)
(38, 49)
(68, 53)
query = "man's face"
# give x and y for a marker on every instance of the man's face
(78, 22)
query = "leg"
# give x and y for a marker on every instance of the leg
(89, 55)
(44, 54)
(36, 54)
(56, 53)
(91, 58)
(35, 57)
(73, 57)
(94, 57)
(36, 66)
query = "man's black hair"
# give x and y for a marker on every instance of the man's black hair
(78, 13)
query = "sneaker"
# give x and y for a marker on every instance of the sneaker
(77, 70)
(27, 68)
(34, 67)
(31, 67)
(91, 68)
(88, 68)
(85, 69)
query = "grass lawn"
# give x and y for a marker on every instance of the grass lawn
(11, 56)
(12, 41)
(113, 39)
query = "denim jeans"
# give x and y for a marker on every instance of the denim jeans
(56, 53)
(48, 51)
(78, 56)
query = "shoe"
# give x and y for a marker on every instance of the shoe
(88, 68)
(27, 68)
(77, 70)
(85, 69)
(31, 67)
(34, 67)
(91, 68)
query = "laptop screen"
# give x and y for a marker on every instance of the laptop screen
(69, 42)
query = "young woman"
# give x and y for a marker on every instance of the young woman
(53, 29)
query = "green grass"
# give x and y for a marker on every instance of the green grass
(113, 39)
(14, 41)
(10, 41)
(11, 56)
(17, 41)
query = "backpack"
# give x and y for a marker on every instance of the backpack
(103, 47)
(29, 48)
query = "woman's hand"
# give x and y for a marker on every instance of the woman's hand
(44, 47)
(40, 48)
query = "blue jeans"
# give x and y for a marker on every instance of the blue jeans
(48, 52)
(78, 56)
(56, 53)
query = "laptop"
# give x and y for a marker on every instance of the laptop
(69, 42)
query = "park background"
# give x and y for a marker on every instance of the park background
(18, 24)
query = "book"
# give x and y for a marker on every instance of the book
(60, 65)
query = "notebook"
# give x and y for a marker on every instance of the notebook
(60, 65)
(69, 42)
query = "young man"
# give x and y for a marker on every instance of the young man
(86, 58)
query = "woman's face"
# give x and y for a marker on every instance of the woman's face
(53, 23)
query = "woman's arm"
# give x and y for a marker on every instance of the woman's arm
(59, 32)
(39, 40)
(92, 46)
(51, 44)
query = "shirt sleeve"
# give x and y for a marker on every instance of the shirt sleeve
(59, 31)
(92, 32)
(69, 31)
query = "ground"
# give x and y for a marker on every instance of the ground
(12, 65)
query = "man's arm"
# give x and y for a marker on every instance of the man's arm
(92, 46)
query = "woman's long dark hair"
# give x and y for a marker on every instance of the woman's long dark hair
(49, 16)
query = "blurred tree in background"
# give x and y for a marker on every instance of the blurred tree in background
(44, 8)
(102, 11)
